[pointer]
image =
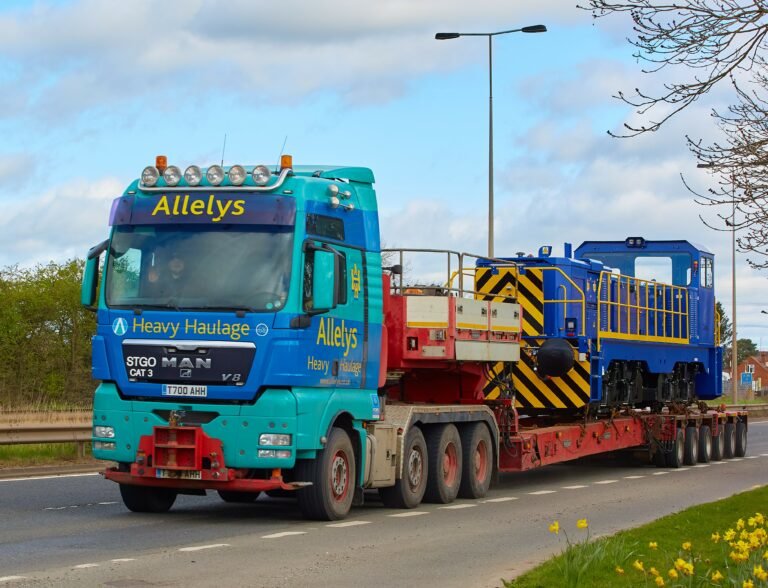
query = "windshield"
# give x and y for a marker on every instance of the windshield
(199, 267)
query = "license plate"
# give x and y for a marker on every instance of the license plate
(179, 474)
(185, 390)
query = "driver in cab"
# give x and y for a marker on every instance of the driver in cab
(169, 280)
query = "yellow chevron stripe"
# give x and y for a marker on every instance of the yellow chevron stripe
(583, 383)
(541, 386)
(575, 399)
(532, 400)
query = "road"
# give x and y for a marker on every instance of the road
(73, 531)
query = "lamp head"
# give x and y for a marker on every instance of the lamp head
(534, 29)
(446, 36)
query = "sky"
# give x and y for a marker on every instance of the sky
(92, 90)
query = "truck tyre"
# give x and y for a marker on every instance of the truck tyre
(444, 459)
(332, 474)
(729, 447)
(691, 445)
(237, 497)
(146, 498)
(676, 455)
(705, 444)
(478, 461)
(408, 492)
(740, 449)
(718, 443)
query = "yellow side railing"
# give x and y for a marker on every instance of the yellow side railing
(717, 327)
(641, 310)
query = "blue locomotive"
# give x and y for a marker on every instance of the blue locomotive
(614, 323)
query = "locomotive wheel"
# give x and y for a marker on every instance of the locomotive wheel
(478, 461)
(147, 499)
(237, 497)
(705, 444)
(729, 447)
(408, 491)
(740, 450)
(332, 474)
(676, 456)
(444, 459)
(718, 443)
(691, 445)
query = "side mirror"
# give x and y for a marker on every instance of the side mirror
(324, 276)
(91, 275)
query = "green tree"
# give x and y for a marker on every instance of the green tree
(744, 349)
(724, 327)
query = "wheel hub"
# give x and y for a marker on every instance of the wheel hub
(339, 476)
(415, 469)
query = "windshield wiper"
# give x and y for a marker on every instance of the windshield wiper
(236, 308)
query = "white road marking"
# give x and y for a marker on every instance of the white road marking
(737, 459)
(701, 465)
(412, 513)
(680, 469)
(660, 473)
(283, 534)
(541, 492)
(201, 547)
(122, 559)
(349, 524)
(633, 477)
(764, 454)
(502, 499)
(752, 456)
(718, 462)
(457, 506)
(55, 508)
(106, 503)
(26, 479)
(12, 578)
(606, 482)
(577, 487)
(85, 566)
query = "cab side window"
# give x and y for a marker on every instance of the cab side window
(707, 272)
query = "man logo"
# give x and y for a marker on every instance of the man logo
(119, 327)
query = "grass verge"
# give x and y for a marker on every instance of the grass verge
(13, 456)
(691, 548)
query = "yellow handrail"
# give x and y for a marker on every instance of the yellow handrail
(717, 326)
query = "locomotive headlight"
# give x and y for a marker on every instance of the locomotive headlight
(104, 432)
(172, 175)
(150, 175)
(274, 439)
(193, 175)
(215, 175)
(237, 175)
(261, 175)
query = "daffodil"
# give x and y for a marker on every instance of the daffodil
(740, 524)
(759, 518)
(687, 546)
(659, 581)
(715, 537)
(672, 574)
(752, 522)
(582, 524)
(679, 564)
(653, 545)
(760, 573)
(619, 570)
(554, 528)
(748, 583)
(729, 535)
(717, 576)
(653, 571)
(638, 565)
(688, 569)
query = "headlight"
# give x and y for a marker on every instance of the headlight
(172, 175)
(150, 175)
(261, 175)
(193, 175)
(104, 432)
(237, 175)
(266, 453)
(274, 439)
(103, 445)
(215, 175)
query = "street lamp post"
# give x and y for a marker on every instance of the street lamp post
(445, 37)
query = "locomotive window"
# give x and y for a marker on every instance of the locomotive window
(707, 272)
(658, 269)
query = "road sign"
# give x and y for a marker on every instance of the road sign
(746, 379)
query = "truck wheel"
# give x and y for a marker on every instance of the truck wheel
(676, 456)
(444, 458)
(691, 445)
(705, 444)
(478, 461)
(740, 450)
(718, 443)
(729, 447)
(408, 491)
(332, 474)
(146, 498)
(238, 497)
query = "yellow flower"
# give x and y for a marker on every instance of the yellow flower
(659, 581)
(748, 584)
(679, 564)
(619, 570)
(759, 518)
(554, 528)
(687, 546)
(653, 545)
(717, 576)
(760, 573)
(672, 574)
(752, 522)
(730, 535)
(715, 537)
(638, 565)
(688, 569)
(740, 524)
(582, 524)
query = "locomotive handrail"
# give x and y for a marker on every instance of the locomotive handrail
(627, 308)
(717, 327)
(565, 301)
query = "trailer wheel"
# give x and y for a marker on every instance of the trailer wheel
(718, 443)
(676, 456)
(408, 491)
(444, 459)
(237, 497)
(478, 461)
(691, 445)
(332, 474)
(729, 447)
(740, 450)
(147, 499)
(705, 444)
